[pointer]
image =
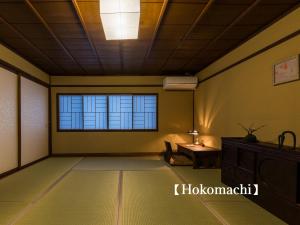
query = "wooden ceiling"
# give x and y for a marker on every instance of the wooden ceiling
(65, 37)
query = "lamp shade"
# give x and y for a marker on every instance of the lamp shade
(120, 19)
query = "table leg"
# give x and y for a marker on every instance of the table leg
(195, 161)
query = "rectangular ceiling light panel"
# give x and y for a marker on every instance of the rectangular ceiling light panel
(120, 18)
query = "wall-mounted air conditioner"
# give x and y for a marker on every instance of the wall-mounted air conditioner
(180, 83)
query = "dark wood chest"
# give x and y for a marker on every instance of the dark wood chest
(277, 173)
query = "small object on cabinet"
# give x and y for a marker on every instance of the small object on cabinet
(250, 137)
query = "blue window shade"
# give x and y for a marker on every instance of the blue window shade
(70, 112)
(95, 112)
(144, 112)
(107, 112)
(120, 112)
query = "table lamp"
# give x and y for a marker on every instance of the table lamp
(195, 135)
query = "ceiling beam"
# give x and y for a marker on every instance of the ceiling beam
(161, 15)
(83, 24)
(29, 43)
(121, 56)
(43, 21)
(191, 28)
(227, 28)
(201, 15)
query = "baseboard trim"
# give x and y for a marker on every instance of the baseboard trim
(10, 172)
(7, 173)
(34, 162)
(108, 154)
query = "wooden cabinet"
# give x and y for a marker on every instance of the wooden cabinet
(277, 173)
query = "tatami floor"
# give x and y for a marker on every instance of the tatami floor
(119, 191)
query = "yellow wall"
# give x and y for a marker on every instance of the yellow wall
(8, 121)
(34, 124)
(245, 93)
(175, 119)
(19, 62)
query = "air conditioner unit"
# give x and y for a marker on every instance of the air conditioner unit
(180, 83)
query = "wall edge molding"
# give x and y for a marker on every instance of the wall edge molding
(18, 71)
(258, 52)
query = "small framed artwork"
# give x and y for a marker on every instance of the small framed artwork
(286, 71)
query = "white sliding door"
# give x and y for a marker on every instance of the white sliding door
(8, 121)
(34, 125)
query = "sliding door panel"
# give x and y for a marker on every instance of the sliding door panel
(34, 125)
(8, 121)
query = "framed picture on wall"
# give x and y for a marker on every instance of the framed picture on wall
(286, 71)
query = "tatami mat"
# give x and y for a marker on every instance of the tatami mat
(234, 209)
(209, 178)
(121, 163)
(8, 210)
(205, 176)
(119, 191)
(148, 199)
(24, 185)
(244, 213)
(81, 198)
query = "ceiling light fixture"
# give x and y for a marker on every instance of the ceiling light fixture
(120, 18)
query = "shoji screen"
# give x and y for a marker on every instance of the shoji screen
(8, 121)
(34, 125)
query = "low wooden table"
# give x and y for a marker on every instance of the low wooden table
(203, 157)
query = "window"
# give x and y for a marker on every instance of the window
(120, 112)
(94, 112)
(70, 112)
(107, 112)
(144, 112)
